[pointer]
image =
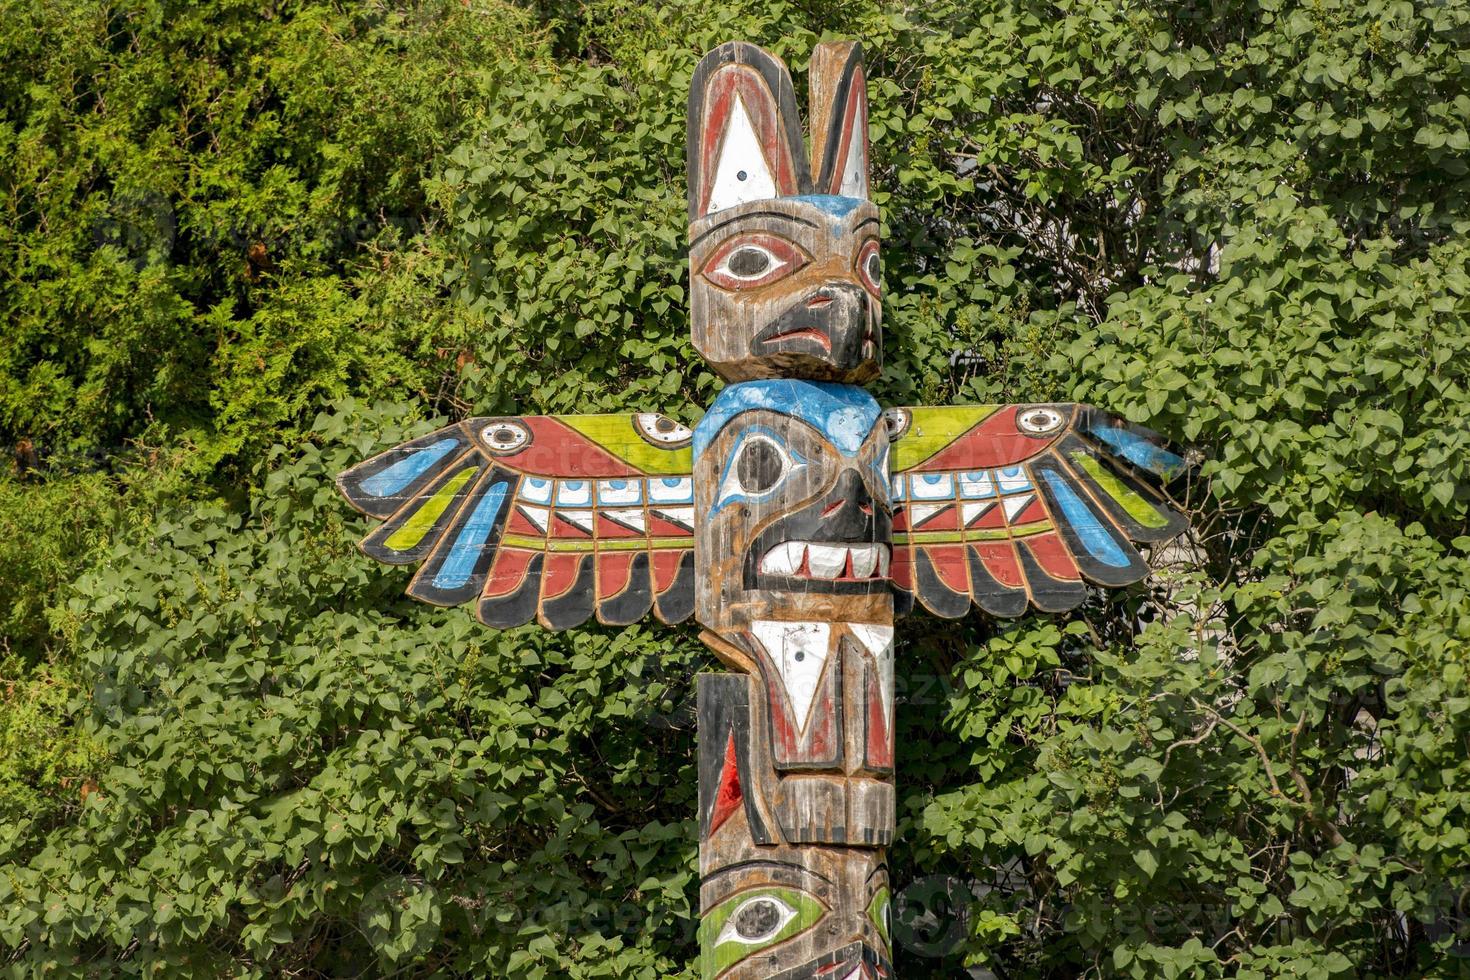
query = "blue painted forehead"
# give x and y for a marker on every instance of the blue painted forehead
(837, 207)
(844, 414)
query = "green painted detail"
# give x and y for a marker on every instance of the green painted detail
(720, 948)
(878, 912)
(1137, 507)
(618, 434)
(932, 429)
(955, 537)
(414, 529)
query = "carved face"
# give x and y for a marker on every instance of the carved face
(783, 249)
(791, 489)
(788, 286)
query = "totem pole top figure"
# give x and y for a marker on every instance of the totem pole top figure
(762, 219)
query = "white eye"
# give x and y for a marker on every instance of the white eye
(757, 920)
(662, 431)
(757, 466)
(505, 436)
(897, 420)
(1038, 421)
(750, 262)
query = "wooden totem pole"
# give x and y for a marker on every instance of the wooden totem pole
(794, 521)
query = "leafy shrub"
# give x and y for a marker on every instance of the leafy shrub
(1243, 225)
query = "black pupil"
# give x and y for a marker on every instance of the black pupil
(757, 918)
(504, 435)
(759, 466)
(747, 262)
(664, 425)
(874, 268)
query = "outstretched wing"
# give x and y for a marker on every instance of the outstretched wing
(553, 518)
(1007, 506)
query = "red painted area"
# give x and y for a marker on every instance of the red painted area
(728, 797)
(562, 450)
(902, 568)
(787, 744)
(521, 524)
(900, 518)
(950, 563)
(660, 528)
(1031, 513)
(560, 573)
(665, 568)
(946, 519)
(563, 528)
(880, 739)
(999, 559)
(993, 443)
(508, 572)
(612, 529)
(613, 571)
(1052, 554)
(992, 519)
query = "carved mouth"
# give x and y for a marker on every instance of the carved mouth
(828, 561)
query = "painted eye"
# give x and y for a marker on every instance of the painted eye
(744, 924)
(505, 436)
(759, 464)
(870, 267)
(1039, 421)
(756, 920)
(753, 260)
(662, 431)
(897, 420)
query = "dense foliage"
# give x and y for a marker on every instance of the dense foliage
(243, 244)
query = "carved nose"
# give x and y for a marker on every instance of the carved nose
(850, 499)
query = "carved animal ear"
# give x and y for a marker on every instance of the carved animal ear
(744, 133)
(839, 113)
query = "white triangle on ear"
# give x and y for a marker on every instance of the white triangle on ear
(742, 172)
(855, 171)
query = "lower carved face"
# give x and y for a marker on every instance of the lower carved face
(797, 914)
(791, 493)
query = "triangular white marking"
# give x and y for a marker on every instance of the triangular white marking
(799, 651)
(577, 518)
(919, 513)
(879, 642)
(629, 516)
(972, 512)
(538, 516)
(1014, 505)
(677, 515)
(741, 173)
(855, 171)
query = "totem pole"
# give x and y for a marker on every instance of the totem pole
(794, 521)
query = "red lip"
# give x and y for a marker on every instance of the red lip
(806, 333)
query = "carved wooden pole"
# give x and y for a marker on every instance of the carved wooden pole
(795, 521)
(792, 549)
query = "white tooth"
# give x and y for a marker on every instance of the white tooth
(864, 559)
(783, 559)
(883, 551)
(827, 561)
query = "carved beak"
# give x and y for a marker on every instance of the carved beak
(833, 322)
